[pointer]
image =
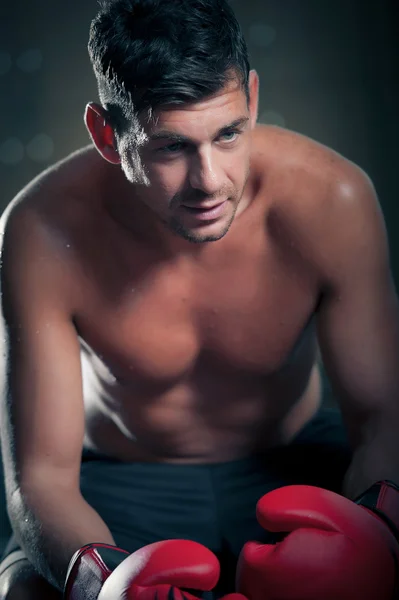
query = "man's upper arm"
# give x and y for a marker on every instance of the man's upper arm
(358, 317)
(42, 412)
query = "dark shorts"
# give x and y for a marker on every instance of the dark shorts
(213, 504)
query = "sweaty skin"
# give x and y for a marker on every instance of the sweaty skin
(196, 358)
(142, 345)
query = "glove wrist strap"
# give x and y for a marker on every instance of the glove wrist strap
(89, 567)
(382, 498)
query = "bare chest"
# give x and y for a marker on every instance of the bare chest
(242, 316)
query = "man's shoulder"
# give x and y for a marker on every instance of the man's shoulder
(287, 152)
(41, 217)
(316, 193)
(47, 192)
(305, 174)
(38, 227)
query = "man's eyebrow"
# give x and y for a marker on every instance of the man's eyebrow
(177, 137)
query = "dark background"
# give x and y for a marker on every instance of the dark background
(328, 69)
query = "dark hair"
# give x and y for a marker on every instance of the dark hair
(152, 53)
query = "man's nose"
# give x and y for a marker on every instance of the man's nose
(205, 175)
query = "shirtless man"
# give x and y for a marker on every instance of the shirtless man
(163, 310)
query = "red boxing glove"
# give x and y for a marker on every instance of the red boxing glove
(89, 568)
(333, 549)
(159, 571)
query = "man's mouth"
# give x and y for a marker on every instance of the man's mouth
(206, 212)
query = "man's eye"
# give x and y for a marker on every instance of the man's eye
(172, 148)
(230, 135)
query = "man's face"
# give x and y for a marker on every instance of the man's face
(196, 163)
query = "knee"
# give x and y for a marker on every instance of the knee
(20, 581)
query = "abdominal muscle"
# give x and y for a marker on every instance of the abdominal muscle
(185, 426)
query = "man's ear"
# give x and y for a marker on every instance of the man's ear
(253, 86)
(101, 132)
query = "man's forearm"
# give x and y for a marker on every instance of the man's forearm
(376, 456)
(51, 526)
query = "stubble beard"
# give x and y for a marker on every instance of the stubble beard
(191, 235)
(194, 237)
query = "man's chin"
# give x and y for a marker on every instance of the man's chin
(200, 235)
(195, 238)
(202, 232)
